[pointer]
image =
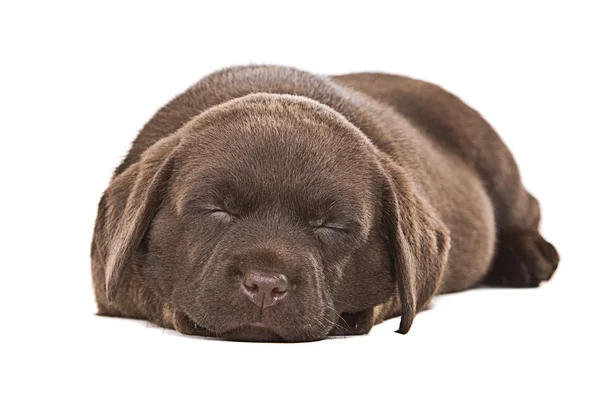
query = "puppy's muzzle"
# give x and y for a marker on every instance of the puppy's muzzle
(263, 288)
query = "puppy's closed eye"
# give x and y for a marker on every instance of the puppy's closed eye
(331, 230)
(210, 210)
(333, 226)
(219, 214)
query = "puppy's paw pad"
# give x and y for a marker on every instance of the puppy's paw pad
(523, 260)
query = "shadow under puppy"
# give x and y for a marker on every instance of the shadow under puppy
(267, 203)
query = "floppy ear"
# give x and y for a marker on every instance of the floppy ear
(418, 240)
(128, 207)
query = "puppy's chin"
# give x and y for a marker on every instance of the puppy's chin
(258, 332)
(252, 333)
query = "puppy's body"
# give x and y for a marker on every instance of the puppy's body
(479, 223)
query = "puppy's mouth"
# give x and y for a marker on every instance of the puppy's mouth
(258, 324)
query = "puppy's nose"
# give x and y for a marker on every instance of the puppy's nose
(265, 288)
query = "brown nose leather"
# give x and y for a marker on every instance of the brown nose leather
(265, 288)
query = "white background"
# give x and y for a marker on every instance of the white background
(76, 84)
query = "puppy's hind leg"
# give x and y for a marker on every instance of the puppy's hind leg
(523, 258)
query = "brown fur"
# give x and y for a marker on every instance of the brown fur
(372, 193)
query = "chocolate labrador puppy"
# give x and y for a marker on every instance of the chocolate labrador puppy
(270, 204)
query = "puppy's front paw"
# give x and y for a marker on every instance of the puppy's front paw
(183, 324)
(522, 260)
(350, 324)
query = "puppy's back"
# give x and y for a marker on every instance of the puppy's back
(457, 128)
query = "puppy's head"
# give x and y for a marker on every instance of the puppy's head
(271, 217)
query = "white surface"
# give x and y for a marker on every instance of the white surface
(78, 82)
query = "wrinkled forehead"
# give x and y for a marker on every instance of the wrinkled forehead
(279, 147)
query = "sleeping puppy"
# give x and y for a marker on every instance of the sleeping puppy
(270, 204)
